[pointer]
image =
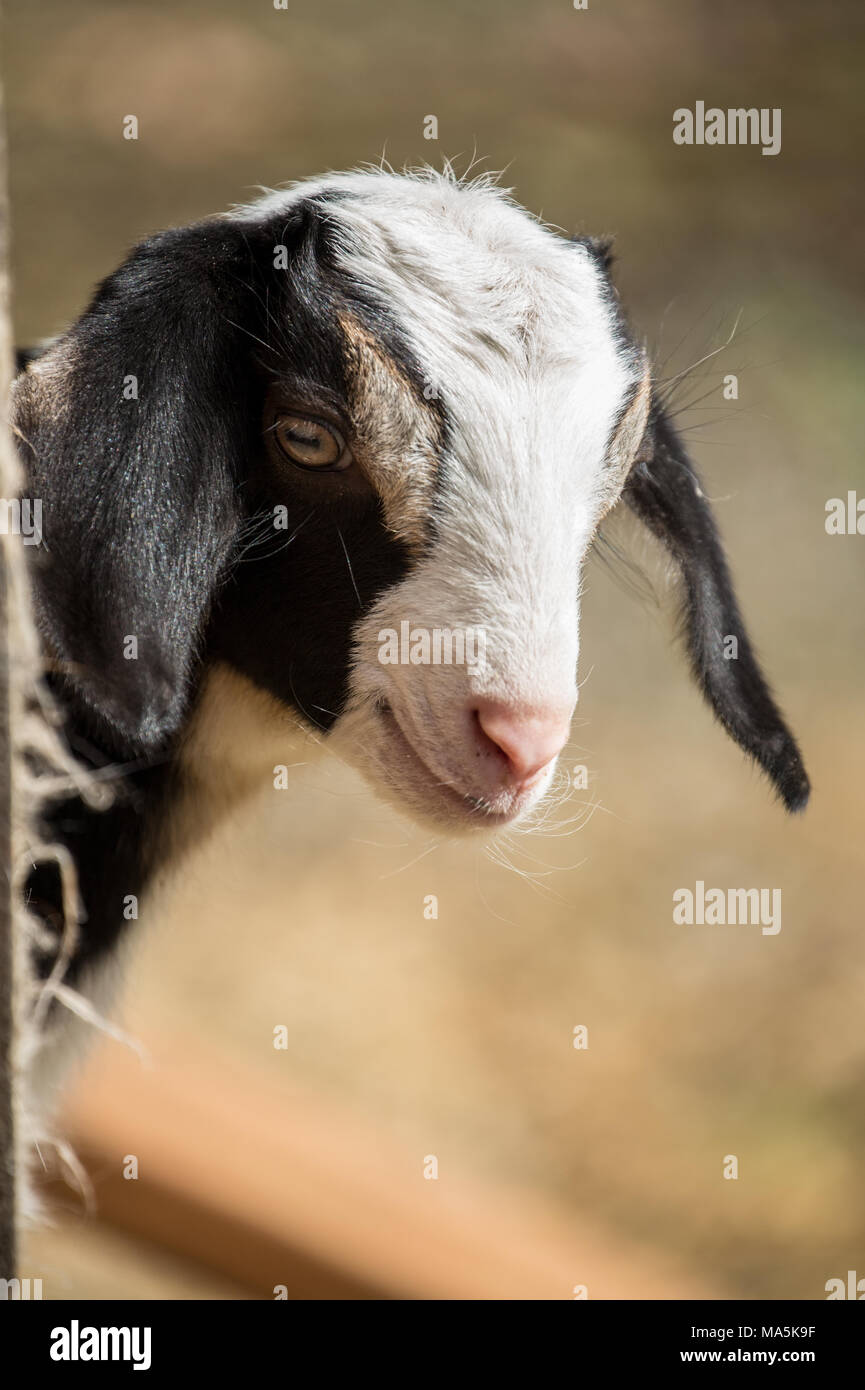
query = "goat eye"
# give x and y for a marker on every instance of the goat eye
(311, 444)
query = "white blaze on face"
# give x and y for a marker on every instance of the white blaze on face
(517, 340)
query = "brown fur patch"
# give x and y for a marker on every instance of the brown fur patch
(43, 390)
(398, 436)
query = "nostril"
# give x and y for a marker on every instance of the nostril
(529, 738)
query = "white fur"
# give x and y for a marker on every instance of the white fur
(514, 330)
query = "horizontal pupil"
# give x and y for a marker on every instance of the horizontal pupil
(312, 443)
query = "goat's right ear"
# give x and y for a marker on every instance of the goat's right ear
(133, 427)
(665, 492)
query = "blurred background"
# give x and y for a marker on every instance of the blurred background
(408, 1038)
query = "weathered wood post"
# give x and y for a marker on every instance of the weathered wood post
(8, 473)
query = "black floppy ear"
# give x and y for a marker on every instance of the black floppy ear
(133, 427)
(664, 490)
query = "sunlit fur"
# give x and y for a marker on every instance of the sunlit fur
(516, 331)
(496, 407)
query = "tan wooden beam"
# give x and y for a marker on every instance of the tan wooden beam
(273, 1186)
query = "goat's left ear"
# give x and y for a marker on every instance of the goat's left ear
(664, 490)
(134, 426)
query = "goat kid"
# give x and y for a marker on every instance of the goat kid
(440, 398)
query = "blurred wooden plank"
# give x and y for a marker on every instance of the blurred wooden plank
(273, 1187)
(77, 1257)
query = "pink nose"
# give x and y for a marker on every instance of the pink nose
(529, 738)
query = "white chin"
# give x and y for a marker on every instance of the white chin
(371, 740)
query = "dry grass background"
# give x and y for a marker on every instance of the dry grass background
(456, 1034)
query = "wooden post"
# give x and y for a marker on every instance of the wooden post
(8, 473)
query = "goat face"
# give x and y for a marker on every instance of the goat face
(334, 438)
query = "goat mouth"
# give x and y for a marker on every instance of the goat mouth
(474, 809)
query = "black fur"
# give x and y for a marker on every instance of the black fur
(157, 521)
(664, 490)
(157, 525)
